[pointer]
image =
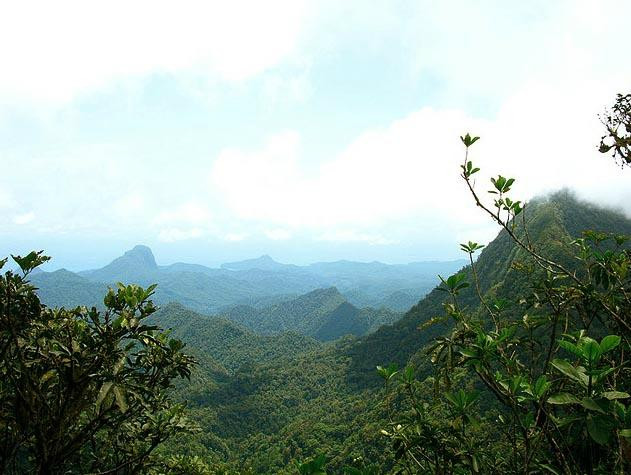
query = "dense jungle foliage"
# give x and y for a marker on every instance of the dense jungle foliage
(518, 363)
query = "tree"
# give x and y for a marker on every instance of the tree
(617, 121)
(84, 391)
(550, 370)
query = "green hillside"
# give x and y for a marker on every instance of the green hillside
(328, 399)
(324, 314)
(63, 288)
(552, 222)
(227, 342)
(267, 394)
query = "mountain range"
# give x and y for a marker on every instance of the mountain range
(324, 314)
(286, 361)
(256, 282)
(326, 397)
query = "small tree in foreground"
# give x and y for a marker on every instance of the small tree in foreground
(83, 391)
(540, 385)
(617, 122)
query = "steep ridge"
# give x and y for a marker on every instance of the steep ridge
(136, 265)
(324, 314)
(400, 301)
(551, 222)
(273, 413)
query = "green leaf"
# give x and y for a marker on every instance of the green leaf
(103, 392)
(467, 140)
(599, 428)
(591, 350)
(609, 342)
(611, 395)
(563, 398)
(549, 468)
(389, 372)
(30, 261)
(601, 375)
(541, 386)
(591, 405)
(571, 347)
(408, 374)
(625, 433)
(474, 464)
(570, 371)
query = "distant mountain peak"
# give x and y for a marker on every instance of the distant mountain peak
(135, 266)
(325, 292)
(143, 255)
(264, 262)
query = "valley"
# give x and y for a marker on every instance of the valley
(284, 376)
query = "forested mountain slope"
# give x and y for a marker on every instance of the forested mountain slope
(324, 314)
(272, 414)
(551, 222)
(63, 288)
(327, 399)
(266, 402)
(227, 342)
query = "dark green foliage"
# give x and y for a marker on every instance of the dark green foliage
(63, 288)
(400, 301)
(553, 222)
(323, 314)
(82, 390)
(266, 403)
(227, 342)
(326, 400)
(516, 363)
(271, 414)
(545, 339)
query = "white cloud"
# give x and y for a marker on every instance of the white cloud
(235, 237)
(55, 51)
(132, 204)
(288, 87)
(177, 234)
(263, 183)
(545, 135)
(182, 222)
(352, 236)
(278, 234)
(6, 200)
(545, 73)
(25, 218)
(381, 176)
(187, 213)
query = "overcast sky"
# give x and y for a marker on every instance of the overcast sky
(213, 131)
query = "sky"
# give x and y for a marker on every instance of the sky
(310, 131)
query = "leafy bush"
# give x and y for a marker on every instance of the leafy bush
(83, 391)
(539, 389)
